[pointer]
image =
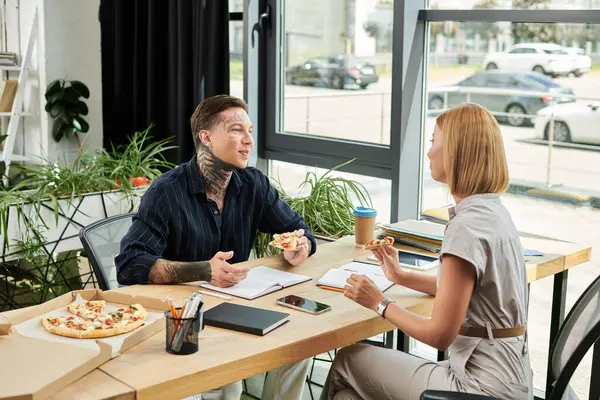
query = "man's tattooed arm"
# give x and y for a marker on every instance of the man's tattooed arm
(170, 272)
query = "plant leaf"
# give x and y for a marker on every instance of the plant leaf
(80, 88)
(80, 108)
(56, 96)
(58, 130)
(55, 109)
(80, 124)
(71, 96)
(53, 87)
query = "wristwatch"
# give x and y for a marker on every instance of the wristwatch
(381, 307)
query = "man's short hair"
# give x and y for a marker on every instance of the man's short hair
(207, 114)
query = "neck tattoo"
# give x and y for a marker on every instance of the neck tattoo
(216, 175)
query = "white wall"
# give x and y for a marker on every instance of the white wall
(67, 47)
(72, 52)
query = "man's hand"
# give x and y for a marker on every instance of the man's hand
(363, 290)
(225, 274)
(300, 253)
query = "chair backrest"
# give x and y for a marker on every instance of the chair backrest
(577, 334)
(101, 241)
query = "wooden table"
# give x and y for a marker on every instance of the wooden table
(224, 356)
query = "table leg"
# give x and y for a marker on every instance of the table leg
(403, 342)
(595, 383)
(442, 355)
(389, 339)
(559, 295)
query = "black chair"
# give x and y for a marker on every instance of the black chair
(101, 243)
(576, 336)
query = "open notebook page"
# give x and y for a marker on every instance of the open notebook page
(261, 280)
(337, 277)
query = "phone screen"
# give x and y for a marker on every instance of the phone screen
(309, 305)
(415, 260)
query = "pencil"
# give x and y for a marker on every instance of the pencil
(333, 289)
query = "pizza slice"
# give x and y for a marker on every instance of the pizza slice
(130, 314)
(285, 241)
(375, 243)
(87, 309)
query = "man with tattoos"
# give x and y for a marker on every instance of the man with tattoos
(195, 221)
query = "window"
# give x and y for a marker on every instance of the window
(378, 189)
(236, 58)
(519, 4)
(336, 70)
(475, 80)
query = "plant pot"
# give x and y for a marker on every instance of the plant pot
(75, 213)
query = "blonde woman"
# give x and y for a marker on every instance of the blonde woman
(480, 291)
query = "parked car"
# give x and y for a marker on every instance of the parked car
(337, 72)
(580, 62)
(516, 103)
(576, 122)
(545, 58)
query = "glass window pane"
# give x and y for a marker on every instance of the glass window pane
(236, 58)
(236, 5)
(336, 69)
(519, 4)
(378, 189)
(565, 172)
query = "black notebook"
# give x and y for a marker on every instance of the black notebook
(256, 321)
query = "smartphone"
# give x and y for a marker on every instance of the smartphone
(302, 304)
(416, 261)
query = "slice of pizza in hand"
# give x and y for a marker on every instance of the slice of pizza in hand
(285, 241)
(375, 243)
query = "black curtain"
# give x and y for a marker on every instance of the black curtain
(160, 59)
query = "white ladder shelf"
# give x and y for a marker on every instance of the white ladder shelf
(17, 107)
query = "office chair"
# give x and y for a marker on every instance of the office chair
(577, 334)
(101, 242)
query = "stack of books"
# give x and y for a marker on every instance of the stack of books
(439, 215)
(424, 235)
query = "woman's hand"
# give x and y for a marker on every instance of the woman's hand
(363, 290)
(388, 259)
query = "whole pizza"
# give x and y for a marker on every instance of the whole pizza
(89, 321)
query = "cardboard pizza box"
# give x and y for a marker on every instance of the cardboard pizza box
(36, 364)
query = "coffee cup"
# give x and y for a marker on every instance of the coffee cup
(364, 224)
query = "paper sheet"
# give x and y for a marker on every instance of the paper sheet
(34, 328)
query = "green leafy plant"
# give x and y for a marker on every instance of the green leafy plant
(58, 179)
(64, 104)
(139, 162)
(326, 208)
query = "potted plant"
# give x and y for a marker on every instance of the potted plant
(139, 162)
(64, 104)
(326, 208)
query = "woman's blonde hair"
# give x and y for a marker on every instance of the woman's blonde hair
(474, 157)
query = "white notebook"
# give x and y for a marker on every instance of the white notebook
(260, 281)
(337, 277)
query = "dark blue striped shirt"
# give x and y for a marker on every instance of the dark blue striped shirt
(177, 222)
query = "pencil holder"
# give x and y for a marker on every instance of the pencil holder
(182, 333)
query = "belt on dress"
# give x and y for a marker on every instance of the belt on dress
(482, 332)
